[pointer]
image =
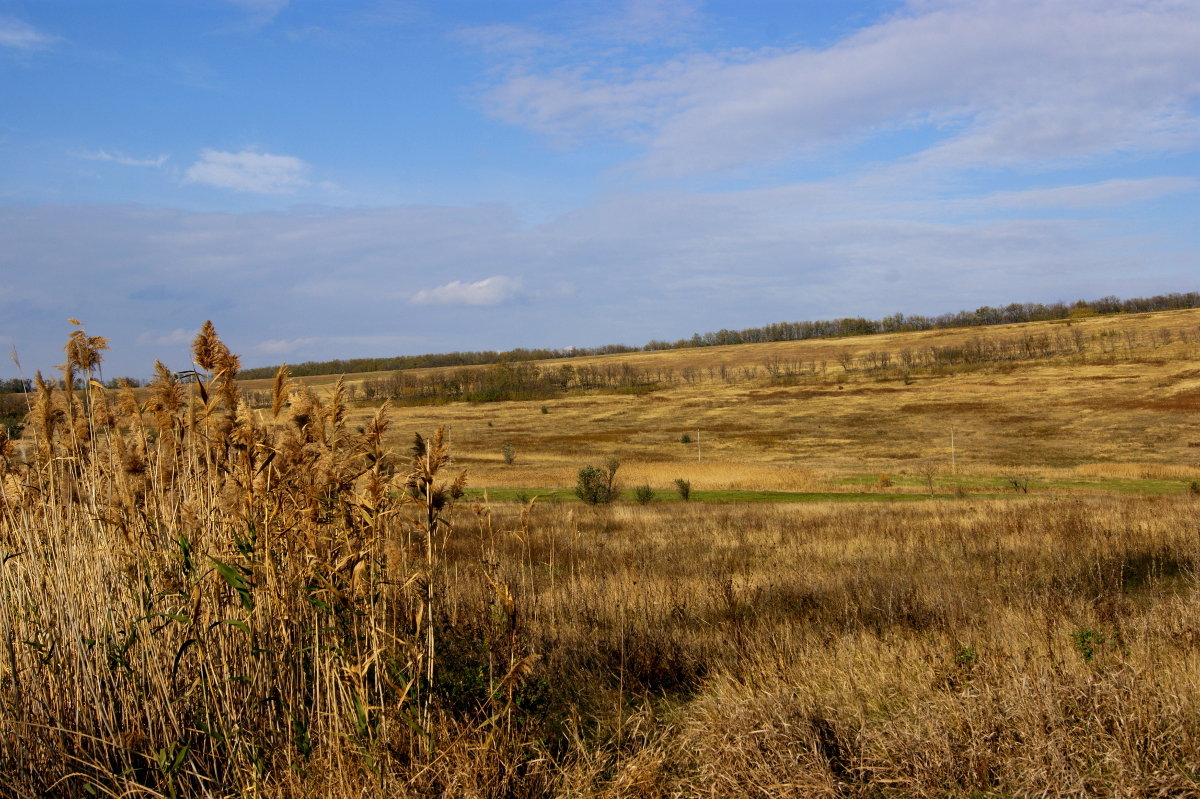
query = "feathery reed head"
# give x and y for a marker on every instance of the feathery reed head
(279, 391)
(205, 347)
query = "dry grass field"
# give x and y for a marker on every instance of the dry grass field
(203, 598)
(1121, 406)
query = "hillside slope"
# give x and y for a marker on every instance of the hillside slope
(1112, 397)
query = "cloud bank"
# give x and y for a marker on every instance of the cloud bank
(334, 283)
(992, 83)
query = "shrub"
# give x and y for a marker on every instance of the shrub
(1087, 642)
(644, 494)
(509, 453)
(545, 409)
(928, 469)
(597, 486)
(684, 488)
(685, 439)
(1194, 488)
(1018, 482)
(967, 657)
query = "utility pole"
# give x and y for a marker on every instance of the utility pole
(953, 457)
(697, 445)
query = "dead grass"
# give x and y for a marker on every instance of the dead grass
(198, 599)
(1108, 408)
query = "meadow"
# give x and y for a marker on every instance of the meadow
(962, 575)
(1097, 404)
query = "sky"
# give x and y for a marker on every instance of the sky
(354, 178)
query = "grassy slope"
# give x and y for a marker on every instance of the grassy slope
(1118, 417)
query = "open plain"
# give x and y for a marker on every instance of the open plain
(1082, 405)
(221, 589)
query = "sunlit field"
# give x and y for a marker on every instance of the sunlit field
(968, 579)
(1069, 403)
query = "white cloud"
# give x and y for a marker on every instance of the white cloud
(280, 346)
(123, 160)
(176, 336)
(249, 171)
(994, 83)
(490, 291)
(21, 36)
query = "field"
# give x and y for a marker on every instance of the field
(914, 576)
(1116, 412)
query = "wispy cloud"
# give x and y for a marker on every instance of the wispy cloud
(646, 21)
(196, 73)
(172, 338)
(249, 171)
(602, 29)
(490, 291)
(505, 39)
(993, 84)
(283, 346)
(261, 12)
(280, 346)
(23, 37)
(1105, 194)
(123, 160)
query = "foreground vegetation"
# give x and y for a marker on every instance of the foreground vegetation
(199, 598)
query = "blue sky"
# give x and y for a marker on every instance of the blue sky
(331, 179)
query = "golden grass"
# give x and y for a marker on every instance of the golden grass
(1122, 408)
(198, 599)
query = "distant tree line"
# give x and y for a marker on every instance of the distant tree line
(531, 381)
(513, 381)
(525, 380)
(899, 323)
(22, 385)
(433, 360)
(780, 331)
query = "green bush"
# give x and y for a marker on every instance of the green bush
(597, 486)
(644, 494)
(510, 454)
(684, 488)
(1087, 642)
(685, 439)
